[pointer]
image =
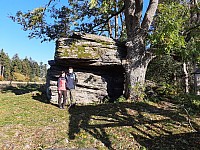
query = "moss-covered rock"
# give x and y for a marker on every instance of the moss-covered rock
(87, 47)
(97, 61)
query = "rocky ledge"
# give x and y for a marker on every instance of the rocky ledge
(97, 62)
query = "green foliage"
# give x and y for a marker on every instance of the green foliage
(16, 64)
(36, 79)
(1, 78)
(164, 69)
(19, 77)
(6, 62)
(174, 32)
(21, 70)
(138, 90)
(92, 3)
(143, 148)
(159, 92)
(165, 89)
(121, 99)
(193, 49)
(26, 69)
(43, 70)
(52, 22)
(190, 101)
(169, 25)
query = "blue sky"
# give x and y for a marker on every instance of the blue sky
(14, 40)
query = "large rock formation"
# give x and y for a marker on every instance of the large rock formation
(97, 62)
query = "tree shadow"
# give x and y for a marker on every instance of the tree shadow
(41, 97)
(37, 91)
(167, 142)
(23, 89)
(117, 115)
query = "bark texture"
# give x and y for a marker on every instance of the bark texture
(138, 57)
(186, 77)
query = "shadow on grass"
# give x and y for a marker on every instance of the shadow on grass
(41, 97)
(117, 115)
(187, 141)
(22, 89)
(37, 90)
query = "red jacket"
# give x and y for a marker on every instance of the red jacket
(62, 83)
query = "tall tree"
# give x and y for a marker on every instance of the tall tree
(35, 70)
(138, 57)
(16, 64)
(167, 33)
(136, 29)
(5, 62)
(43, 70)
(26, 69)
(177, 35)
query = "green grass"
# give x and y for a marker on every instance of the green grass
(27, 121)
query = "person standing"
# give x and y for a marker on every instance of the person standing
(71, 84)
(62, 91)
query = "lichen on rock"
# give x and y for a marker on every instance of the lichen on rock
(97, 60)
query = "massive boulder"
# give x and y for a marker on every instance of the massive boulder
(97, 62)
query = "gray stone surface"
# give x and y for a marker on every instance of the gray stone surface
(97, 62)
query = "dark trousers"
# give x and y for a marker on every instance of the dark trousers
(62, 93)
(72, 96)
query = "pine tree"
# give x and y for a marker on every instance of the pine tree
(26, 69)
(5, 61)
(16, 64)
(35, 70)
(43, 71)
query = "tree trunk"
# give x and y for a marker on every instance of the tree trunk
(137, 62)
(3, 69)
(110, 29)
(175, 80)
(0, 70)
(122, 25)
(195, 81)
(137, 56)
(116, 27)
(186, 78)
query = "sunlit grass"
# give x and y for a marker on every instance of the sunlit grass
(29, 123)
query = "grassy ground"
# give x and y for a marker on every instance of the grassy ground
(27, 121)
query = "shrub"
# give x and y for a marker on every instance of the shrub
(190, 101)
(36, 79)
(159, 92)
(166, 89)
(139, 90)
(18, 77)
(1, 78)
(121, 99)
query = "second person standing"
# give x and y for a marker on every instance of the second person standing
(71, 84)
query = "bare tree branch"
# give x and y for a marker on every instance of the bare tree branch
(112, 15)
(129, 16)
(190, 29)
(148, 18)
(50, 1)
(138, 11)
(189, 120)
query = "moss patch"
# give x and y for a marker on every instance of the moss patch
(76, 48)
